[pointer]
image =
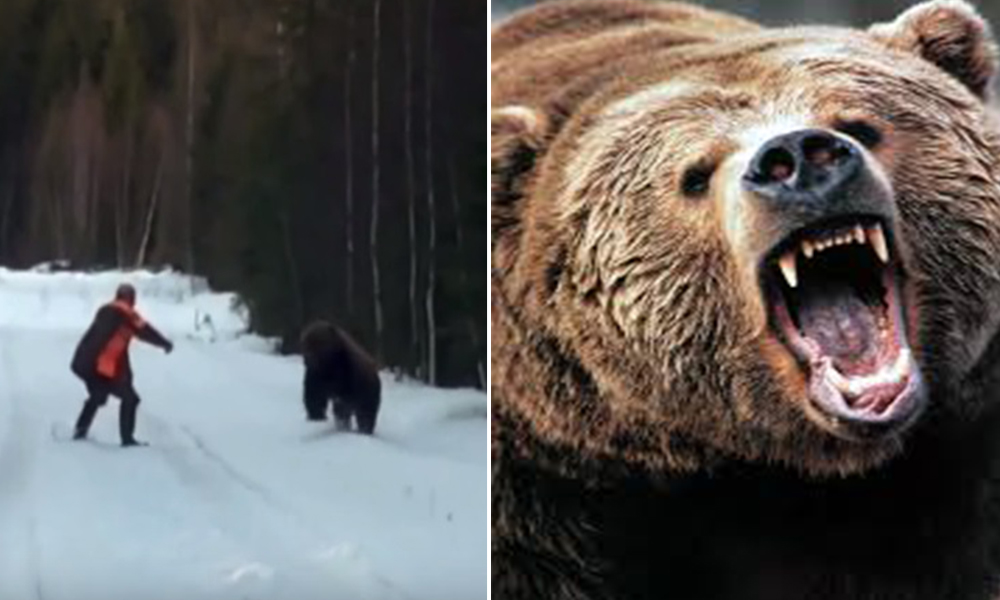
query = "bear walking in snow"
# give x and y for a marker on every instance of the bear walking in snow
(745, 306)
(339, 371)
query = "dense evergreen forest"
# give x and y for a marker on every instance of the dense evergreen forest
(323, 158)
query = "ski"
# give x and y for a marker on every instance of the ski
(63, 434)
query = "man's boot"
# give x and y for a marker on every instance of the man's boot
(126, 422)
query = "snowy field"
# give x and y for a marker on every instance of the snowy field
(238, 497)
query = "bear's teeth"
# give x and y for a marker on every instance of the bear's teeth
(877, 239)
(901, 368)
(856, 386)
(808, 248)
(787, 264)
(839, 381)
(857, 235)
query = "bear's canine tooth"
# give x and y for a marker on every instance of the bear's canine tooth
(876, 238)
(787, 264)
(839, 381)
(901, 368)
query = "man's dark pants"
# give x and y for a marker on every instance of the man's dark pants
(98, 390)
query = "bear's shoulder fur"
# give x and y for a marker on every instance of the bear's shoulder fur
(326, 346)
(649, 438)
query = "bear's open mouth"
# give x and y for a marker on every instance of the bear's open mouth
(836, 303)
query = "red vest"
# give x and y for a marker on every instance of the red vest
(110, 358)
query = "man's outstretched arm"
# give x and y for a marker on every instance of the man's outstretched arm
(149, 334)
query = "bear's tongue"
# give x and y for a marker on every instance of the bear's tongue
(844, 326)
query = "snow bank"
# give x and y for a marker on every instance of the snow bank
(178, 305)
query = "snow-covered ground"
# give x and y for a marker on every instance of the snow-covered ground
(237, 497)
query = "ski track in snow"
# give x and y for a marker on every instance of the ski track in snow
(237, 497)
(17, 464)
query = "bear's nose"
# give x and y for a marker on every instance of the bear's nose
(808, 165)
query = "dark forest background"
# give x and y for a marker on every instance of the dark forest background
(322, 158)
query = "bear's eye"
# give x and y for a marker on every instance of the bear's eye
(865, 133)
(696, 180)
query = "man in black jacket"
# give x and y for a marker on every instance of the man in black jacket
(101, 361)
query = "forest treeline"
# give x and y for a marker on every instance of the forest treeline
(322, 158)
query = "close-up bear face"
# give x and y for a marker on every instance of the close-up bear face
(796, 231)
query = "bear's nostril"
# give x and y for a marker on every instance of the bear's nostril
(776, 165)
(822, 151)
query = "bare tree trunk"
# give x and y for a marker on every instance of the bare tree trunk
(187, 209)
(456, 208)
(79, 151)
(376, 288)
(45, 223)
(119, 232)
(293, 272)
(416, 360)
(349, 181)
(470, 321)
(123, 198)
(140, 259)
(8, 205)
(432, 230)
(58, 227)
(94, 205)
(279, 30)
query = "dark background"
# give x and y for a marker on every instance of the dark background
(323, 158)
(774, 12)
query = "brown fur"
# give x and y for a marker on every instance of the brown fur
(338, 370)
(630, 351)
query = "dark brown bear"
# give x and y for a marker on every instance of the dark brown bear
(745, 299)
(339, 371)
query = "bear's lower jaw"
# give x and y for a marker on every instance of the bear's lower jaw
(884, 405)
(836, 303)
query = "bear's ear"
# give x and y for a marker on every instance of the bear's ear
(949, 34)
(517, 134)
